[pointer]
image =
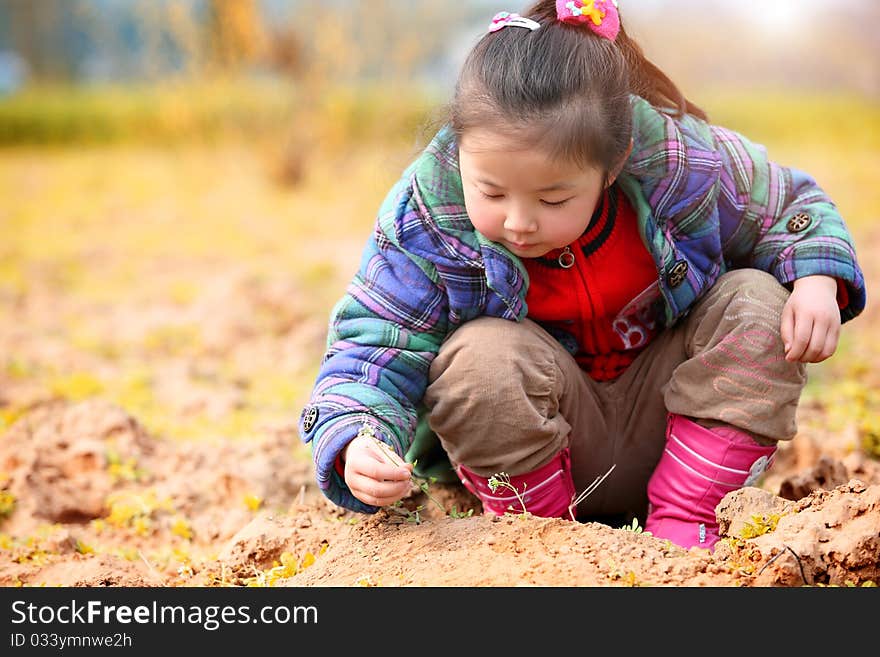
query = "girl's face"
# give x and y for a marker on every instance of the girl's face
(522, 199)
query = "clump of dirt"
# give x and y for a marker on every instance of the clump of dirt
(58, 459)
(829, 537)
(98, 501)
(84, 481)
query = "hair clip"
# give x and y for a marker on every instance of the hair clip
(600, 16)
(506, 19)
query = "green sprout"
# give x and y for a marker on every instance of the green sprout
(413, 516)
(635, 528)
(502, 480)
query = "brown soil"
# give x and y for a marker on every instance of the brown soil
(82, 520)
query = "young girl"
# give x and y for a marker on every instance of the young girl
(579, 277)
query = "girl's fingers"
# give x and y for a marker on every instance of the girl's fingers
(830, 344)
(800, 342)
(387, 456)
(377, 493)
(369, 459)
(816, 342)
(786, 328)
(381, 471)
(372, 477)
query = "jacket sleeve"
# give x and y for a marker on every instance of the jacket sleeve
(778, 219)
(383, 335)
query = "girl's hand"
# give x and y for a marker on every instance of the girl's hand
(372, 476)
(811, 320)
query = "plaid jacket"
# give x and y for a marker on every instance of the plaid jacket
(707, 200)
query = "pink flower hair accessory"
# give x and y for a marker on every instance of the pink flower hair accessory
(506, 19)
(600, 16)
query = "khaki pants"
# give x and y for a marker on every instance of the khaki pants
(506, 396)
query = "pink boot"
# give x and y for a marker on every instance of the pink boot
(699, 466)
(546, 492)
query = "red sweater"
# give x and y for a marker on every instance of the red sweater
(602, 308)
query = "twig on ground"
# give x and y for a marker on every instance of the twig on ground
(588, 491)
(800, 565)
(150, 566)
(779, 554)
(769, 561)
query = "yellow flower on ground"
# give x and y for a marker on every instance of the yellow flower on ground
(181, 528)
(253, 502)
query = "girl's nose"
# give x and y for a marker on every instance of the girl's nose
(519, 220)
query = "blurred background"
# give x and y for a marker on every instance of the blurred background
(186, 185)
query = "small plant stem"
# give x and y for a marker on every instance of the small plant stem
(588, 491)
(424, 488)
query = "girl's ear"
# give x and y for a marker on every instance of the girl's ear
(612, 175)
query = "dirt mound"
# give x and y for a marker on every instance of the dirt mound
(828, 538)
(85, 480)
(58, 458)
(92, 499)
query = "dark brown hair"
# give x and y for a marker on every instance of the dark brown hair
(561, 88)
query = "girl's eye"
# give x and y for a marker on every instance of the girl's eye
(556, 204)
(493, 197)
